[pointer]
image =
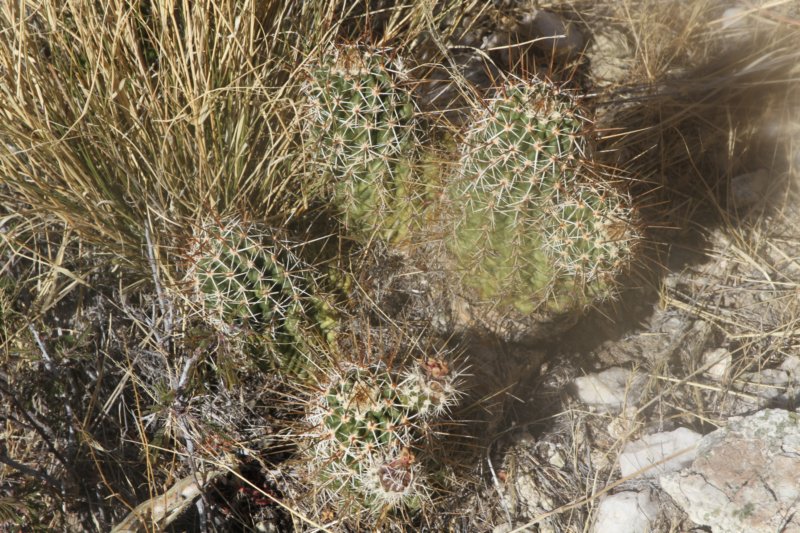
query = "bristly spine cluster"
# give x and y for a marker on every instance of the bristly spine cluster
(370, 421)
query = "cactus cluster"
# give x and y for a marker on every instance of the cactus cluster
(360, 126)
(534, 230)
(370, 420)
(246, 279)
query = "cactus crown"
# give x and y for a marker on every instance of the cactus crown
(532, 232)
(244, 277)
(360, 128)
(370, 419)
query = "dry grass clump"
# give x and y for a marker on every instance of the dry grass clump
(134, 115)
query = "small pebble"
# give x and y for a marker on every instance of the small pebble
(625, 512)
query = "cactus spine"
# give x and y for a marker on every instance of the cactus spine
(361, 130)
(535, 231)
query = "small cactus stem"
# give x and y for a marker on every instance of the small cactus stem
(362, 132)
(393, 480)
(589, 233)
(370, 419)
(535, 229)
(431, 387)
(246, 279)
(243, 276)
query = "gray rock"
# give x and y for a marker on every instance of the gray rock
(652, 453)
(552, 33)
(625, 512)
(747, 189)
(610, 390)
(745, 476)
(773, 386)
(541, 29)
(611, 56)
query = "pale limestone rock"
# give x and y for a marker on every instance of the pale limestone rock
(653, 454)
(610, 390)
(719, 363)
(625, 512)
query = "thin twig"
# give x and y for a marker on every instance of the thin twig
(48, 361)
(163, 303)
(499, 489)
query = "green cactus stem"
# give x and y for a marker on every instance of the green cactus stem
(247, 280)
(369, 420)
(535, 231)
(361, 130)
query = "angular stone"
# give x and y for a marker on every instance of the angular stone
(745, 476)
(625, 512)
(719, 363)
(552, 33)
(609, 390)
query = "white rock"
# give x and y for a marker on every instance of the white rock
(610, 390)
(771, 384)
(734, 18)
(647, 453)
(791, 365)
(719, 363)
(625, 512)
(745, 476)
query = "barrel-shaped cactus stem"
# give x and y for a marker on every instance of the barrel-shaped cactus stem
(535, 229)
(362, 133)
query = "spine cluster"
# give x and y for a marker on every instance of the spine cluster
(370, 422)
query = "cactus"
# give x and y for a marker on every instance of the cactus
(536, 233)
(369, 421)
(360, 128)
(245, 279)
